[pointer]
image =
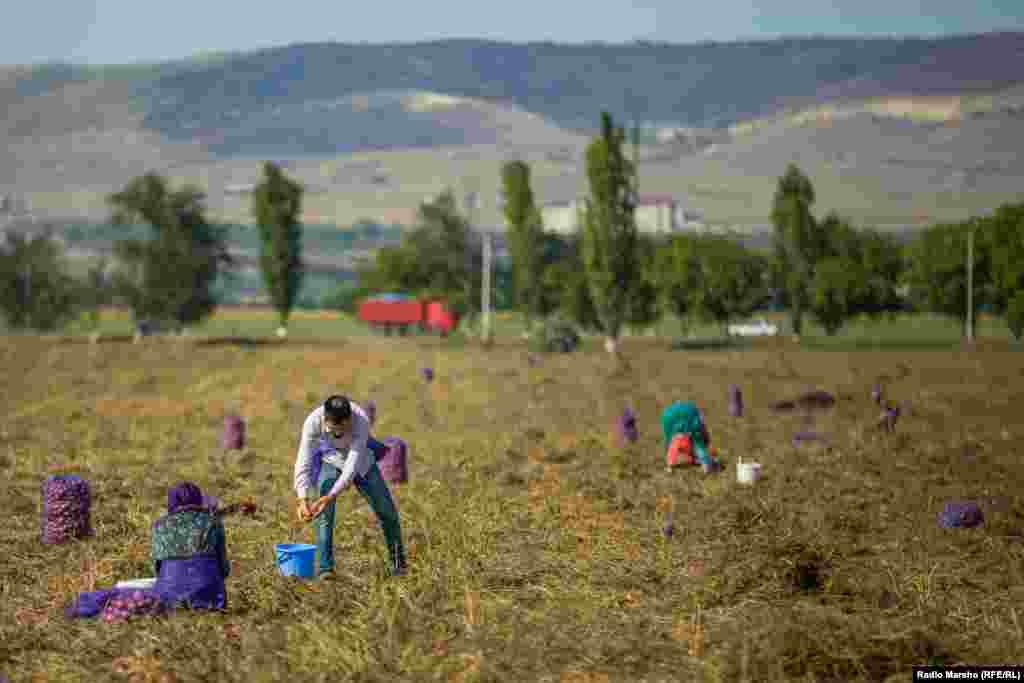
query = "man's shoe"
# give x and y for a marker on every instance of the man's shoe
(327, 575)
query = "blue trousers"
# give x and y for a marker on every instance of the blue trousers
(375, 490)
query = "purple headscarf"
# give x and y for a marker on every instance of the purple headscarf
(184, 496)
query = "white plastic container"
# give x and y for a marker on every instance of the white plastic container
(136, 584)
(747, 472)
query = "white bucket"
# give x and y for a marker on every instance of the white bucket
(748, 472)
(136, 584)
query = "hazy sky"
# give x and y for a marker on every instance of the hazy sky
(122, 31)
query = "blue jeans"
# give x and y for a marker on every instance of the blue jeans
(375, 490)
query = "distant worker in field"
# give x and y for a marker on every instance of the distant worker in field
(321, 472)
(686, 437)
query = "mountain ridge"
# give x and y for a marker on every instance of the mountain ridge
(724, 118)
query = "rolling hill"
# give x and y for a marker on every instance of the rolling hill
(892, 131)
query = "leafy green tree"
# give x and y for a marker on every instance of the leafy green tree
(450, 254)
(873, 259)
(345, 297)
(797, 243)
(882, 269)
(439, 258)
(678, 276)
(556, 252)
(564, 287)
(93, 293)
(1015, 314)
(610, 257)
(524, 236)
(644, 309)
(731, 280)
(170, 277)
(36, 291)
(277, 204)
(577, 303)
(1001, 236)
(393, 268)
(937, 273)
(504, 286)
(834, 288)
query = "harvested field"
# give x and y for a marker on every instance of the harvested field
(536, 545)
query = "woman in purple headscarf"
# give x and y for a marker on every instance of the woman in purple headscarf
(189, 559)
(189, 552)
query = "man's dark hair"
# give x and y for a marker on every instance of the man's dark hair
(337, 408)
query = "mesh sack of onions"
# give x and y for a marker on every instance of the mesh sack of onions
(393, 466)
(627, 429)
(66, 501)
(233, 436)
(124, 606)
(735, 401)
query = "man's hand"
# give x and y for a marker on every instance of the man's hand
(320, 504)
(305, 514)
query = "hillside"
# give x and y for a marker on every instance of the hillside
(371, 130)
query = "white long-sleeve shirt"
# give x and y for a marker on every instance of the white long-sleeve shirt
(358, 461)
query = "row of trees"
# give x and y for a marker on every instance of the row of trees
(606, 277)
(167, 279)
(609, 275)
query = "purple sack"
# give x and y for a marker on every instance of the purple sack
(960, 514)
(628, 431)
(66, 509)
(801, 437)
(735, 401)
(393, 466)
(87, 605)
(233, 436)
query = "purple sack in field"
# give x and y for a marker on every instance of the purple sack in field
(393, 465)
(233, 436)
(66, 509)
(960, 514)
(628, 431)
(90, 604)
(428, 374)
(807, 437)
(735, 401)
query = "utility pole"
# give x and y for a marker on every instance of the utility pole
(472, 205)
(488, 265)
(486, 294)
(636, 165)
(970, 283)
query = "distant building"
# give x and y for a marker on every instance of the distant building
(562, 217)
(655, 214)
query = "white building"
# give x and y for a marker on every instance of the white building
(655, 214)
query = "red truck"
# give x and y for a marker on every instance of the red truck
(400, 314)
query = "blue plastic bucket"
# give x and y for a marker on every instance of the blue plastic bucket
(296, 559)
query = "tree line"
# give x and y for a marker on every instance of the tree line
(603, 279)
(609, 275)
(166, 280)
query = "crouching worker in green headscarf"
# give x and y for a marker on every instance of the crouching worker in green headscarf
(683, 418)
